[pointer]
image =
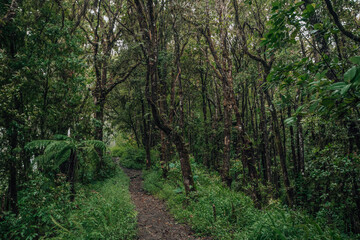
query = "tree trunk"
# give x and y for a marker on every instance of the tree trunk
(146, 140)
(146, 17)
(280, 148)
(72, 174)
(205, 154)
(227, 139)
(99, 117)
(13, 172)
(265, 137)
(292, 143)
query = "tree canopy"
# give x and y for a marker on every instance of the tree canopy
(264, 92)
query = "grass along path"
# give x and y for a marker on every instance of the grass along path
(105, 211)
(222, 213)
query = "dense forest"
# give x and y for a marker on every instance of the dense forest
(244, 116)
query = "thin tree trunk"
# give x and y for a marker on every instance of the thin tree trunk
(265, 137)
(99, 116)
(146, 140)
(147, 23)
(227, 138)
(72, 174)
(205, 154)
(292, 143)
(280, 148)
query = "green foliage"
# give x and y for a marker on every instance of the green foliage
(102, 210)
(337, 99)
(226, 214)
(57, 152)
(330, 189)
(40, 200)
(131, 156)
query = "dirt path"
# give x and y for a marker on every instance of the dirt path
(154, 222)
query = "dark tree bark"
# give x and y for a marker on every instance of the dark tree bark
(280, 148)
(292, 144)
(146, 140)
(147, 22)
(72, 173)
(265, 137)
(13, 173)
(338, 23)
(203, 77)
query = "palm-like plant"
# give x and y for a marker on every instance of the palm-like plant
(64, 153)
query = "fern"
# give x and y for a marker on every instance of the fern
(62, 156)
(58, 150)
(37, 144)
(96, 143)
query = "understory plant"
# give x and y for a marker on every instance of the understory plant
(222, 213)
(65, 155)
(101, 210)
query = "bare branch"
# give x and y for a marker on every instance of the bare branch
(338, 23)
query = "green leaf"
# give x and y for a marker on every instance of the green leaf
(337, 86)
(58, 224)
(355, 59)
(310, 8)
(345, 89)
(290, 121)
(318, 26)
(350, 74)
(328, 102)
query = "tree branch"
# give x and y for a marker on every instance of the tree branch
(10, 14)
(338, 23)
(112, 86)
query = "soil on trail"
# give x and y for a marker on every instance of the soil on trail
(154, 222)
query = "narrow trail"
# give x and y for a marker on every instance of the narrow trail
(154, 221)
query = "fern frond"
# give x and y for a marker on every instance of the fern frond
(37, 144)
(57, 146)
(96, 143)
(62, 157)
(91, 153)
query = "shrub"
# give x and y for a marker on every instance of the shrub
(226, 214)
(330, 189)
(102, 210)
(105, 212)
(39, 200)
(131, 156)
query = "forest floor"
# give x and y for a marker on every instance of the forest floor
(154, 221)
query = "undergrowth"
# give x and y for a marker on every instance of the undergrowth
(217, 211)
(131, 156)
(105, 211)
(101, 210)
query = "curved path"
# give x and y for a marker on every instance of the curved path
(154, 222)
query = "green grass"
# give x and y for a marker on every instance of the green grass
(236, 216)
(105, 211)
(101, 210)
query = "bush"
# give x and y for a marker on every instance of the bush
(131, 156)
(40, 200)
(330, 189)
(105, 212)
(225, 214)
(102, 210)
